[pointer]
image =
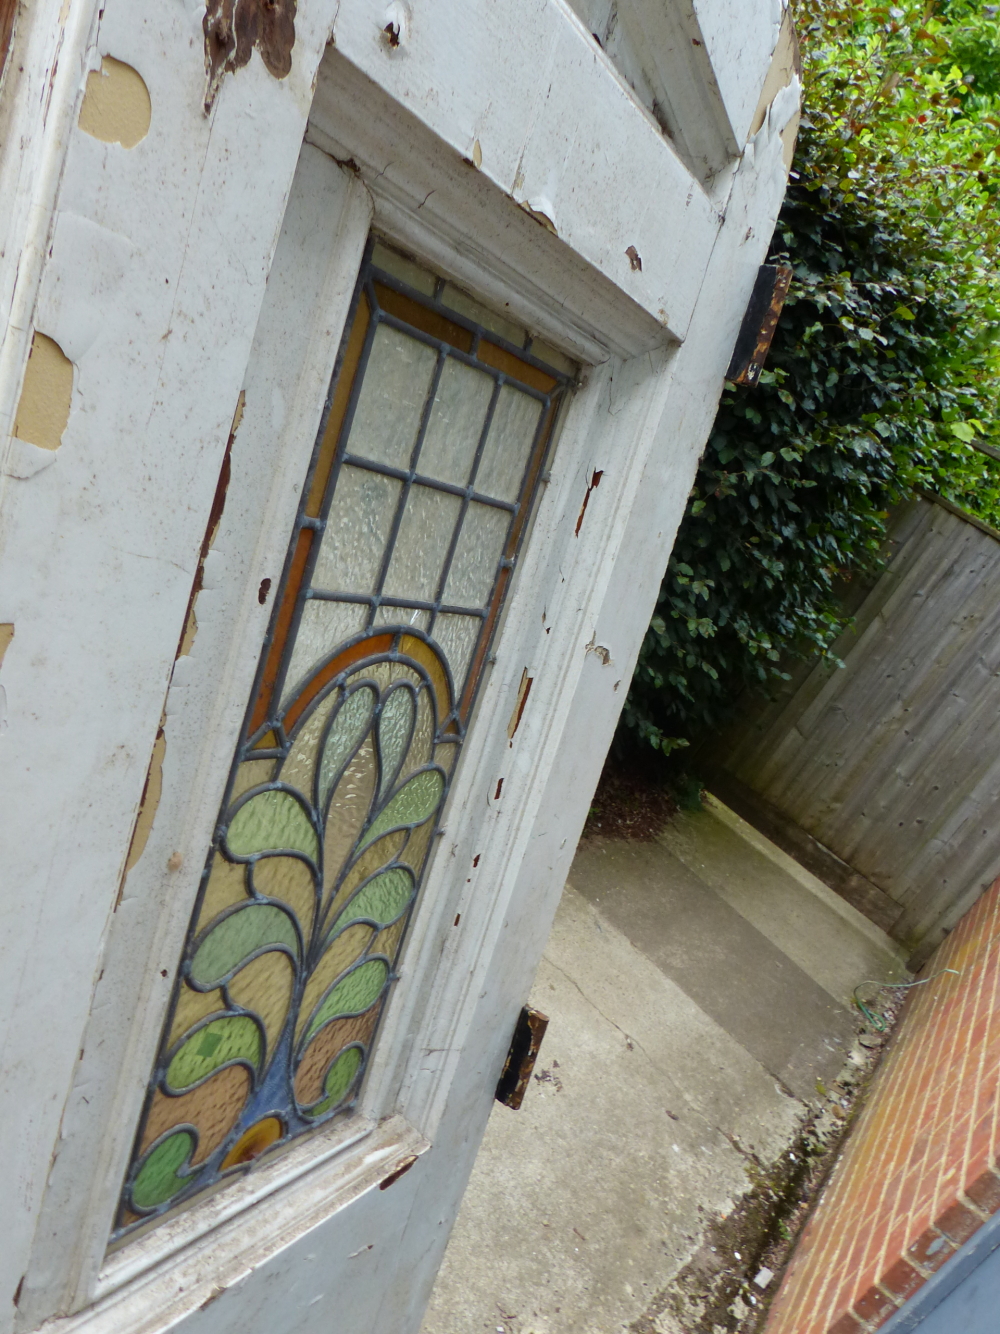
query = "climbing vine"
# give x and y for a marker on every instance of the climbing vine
(885, 369)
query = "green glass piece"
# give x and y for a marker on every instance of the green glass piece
(353, 994)
(157, 1179)
(381, 900)
(271, 822)
(394, 726)
(233, 1037)
(412, 805)
(339, 1079)
(348, 727)
(232, 941)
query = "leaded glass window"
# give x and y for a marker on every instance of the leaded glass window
(432, 445)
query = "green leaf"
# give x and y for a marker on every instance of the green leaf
(338, 1081)
(233, 1037)
(962, 431)
(231, 942)
(353, 994)
(382, 900)
(272, 821)
(159, 1178)
(414, 803)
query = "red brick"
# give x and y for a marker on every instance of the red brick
(930, 1250)
(958, 1223)
(846, 1325)
(872, 1307)
(901, 1280)
(984, 1192)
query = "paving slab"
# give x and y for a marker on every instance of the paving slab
(831, 941)
(585, 1203)
(697, 988)
(749, 986)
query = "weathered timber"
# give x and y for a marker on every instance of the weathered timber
(891, 765)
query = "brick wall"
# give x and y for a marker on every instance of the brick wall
(920, 1172)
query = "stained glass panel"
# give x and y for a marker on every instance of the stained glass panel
(437, 423)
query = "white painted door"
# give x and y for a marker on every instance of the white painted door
(376, 644)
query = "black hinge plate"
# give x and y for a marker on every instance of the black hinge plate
(759, 324)
(524, 1045)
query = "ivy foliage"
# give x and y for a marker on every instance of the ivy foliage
(884, 371)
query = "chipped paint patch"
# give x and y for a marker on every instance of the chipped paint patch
(6, 635)
(46, 394)
(523, 691)
(151, 793)
(233, 28)
(116, 106)
(786, 64)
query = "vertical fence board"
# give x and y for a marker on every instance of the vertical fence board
(893, 761)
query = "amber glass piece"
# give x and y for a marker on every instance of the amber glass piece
(324, 1049)
(265, 986)
(253, 1142)
(502, 360)
(226, 886)
(272, 665)
(291, 881)
(212, 1109)
(421, 652)
(191, 1006)
(344, 950)
(439, 326)
(326, 454)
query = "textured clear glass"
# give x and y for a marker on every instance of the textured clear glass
(472, 309)
(456, 423)
(477, 555)
(512, 433)
(393, 393)
(418, 620)
(404, 269)
(324, 625)
(357, 531)
(422, 544)
(457, 636)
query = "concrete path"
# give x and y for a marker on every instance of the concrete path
(697, 988)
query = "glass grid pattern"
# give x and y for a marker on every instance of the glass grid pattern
(430, 452)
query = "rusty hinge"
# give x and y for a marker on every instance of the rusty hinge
(759, 323)
(524, 1045)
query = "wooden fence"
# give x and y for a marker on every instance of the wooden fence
(885, 774)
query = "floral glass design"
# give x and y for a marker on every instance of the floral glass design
(416, 501)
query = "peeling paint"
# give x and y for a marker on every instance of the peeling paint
(46, 394)
(396, 29)
(634, 259)
(786, 64)
(541, 210)
(600, 651)
(116, 106)
(594, 483)
(6, 635)
(523, 691)
(147, 805)
(233, 28)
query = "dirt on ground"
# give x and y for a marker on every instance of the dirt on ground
(634, 799)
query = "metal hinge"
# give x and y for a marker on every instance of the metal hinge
(759, 323)
(524, 1045)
